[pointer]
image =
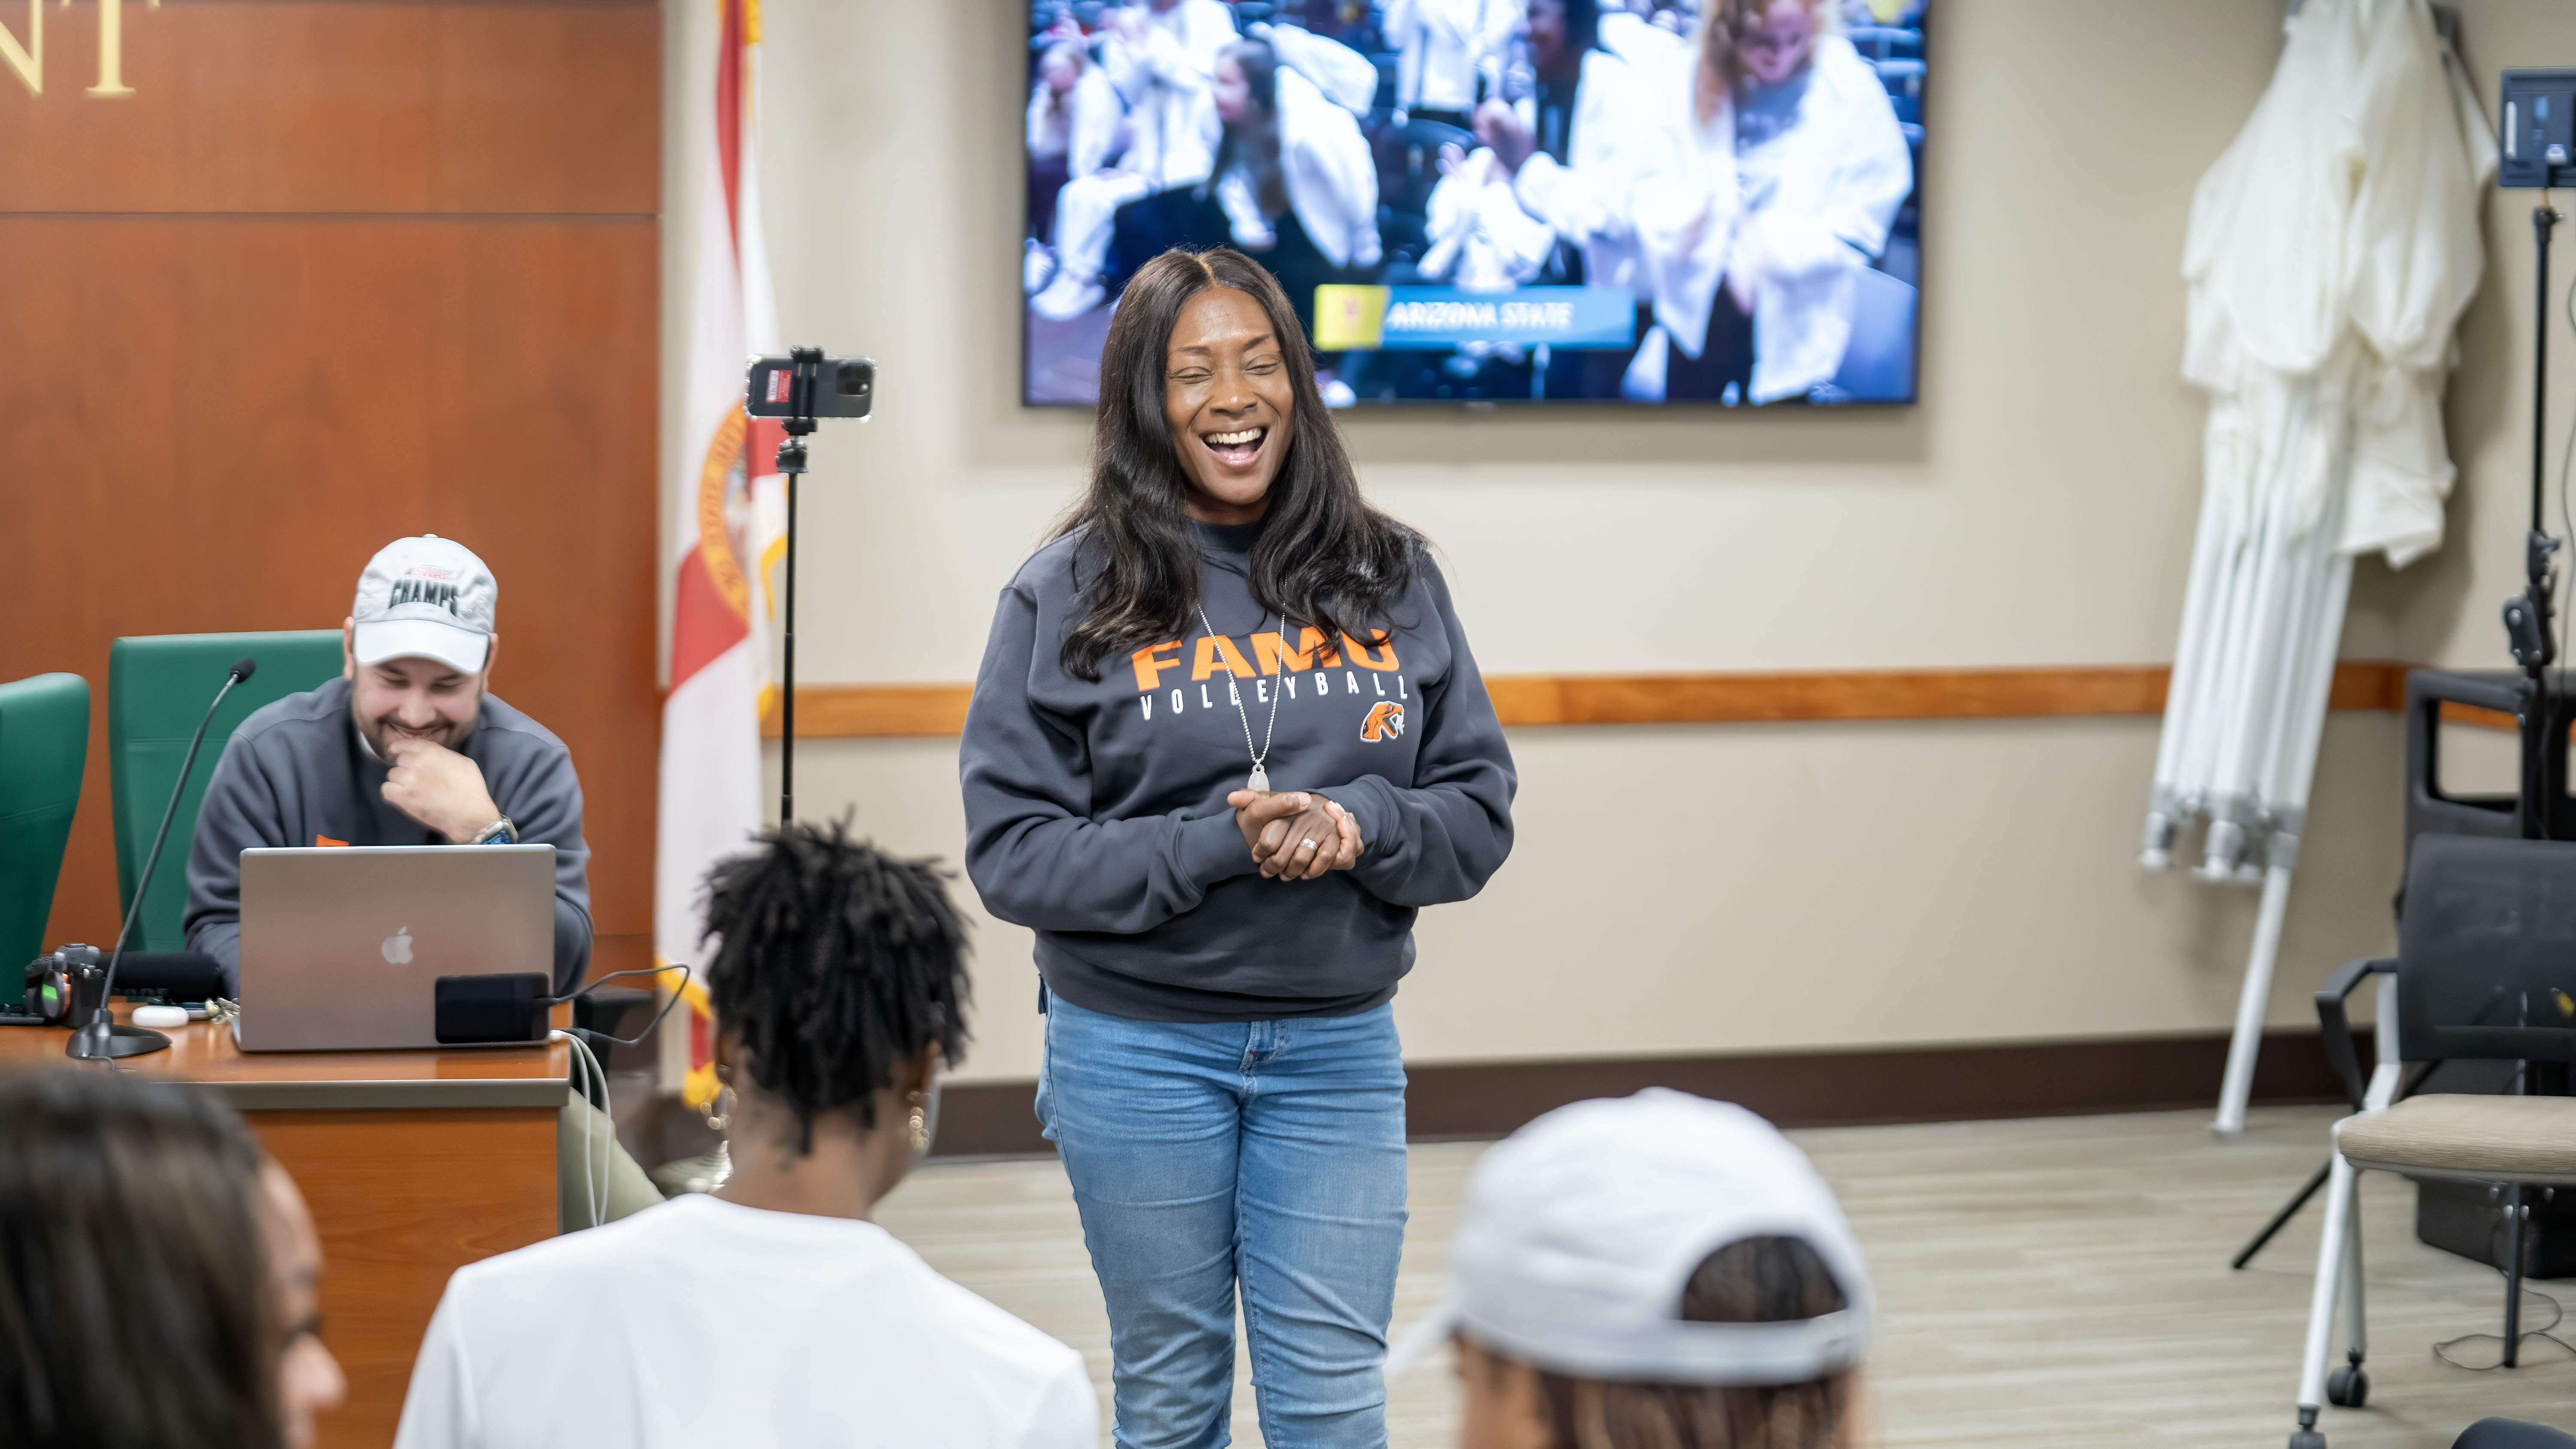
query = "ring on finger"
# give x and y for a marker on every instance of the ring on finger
(1305, 845)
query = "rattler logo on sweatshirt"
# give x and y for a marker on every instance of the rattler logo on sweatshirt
(1385, 722)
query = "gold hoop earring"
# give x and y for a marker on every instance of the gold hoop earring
(920, 1125)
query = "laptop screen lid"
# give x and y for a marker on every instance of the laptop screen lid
(342, 946)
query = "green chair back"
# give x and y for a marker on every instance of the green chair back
(157, 689)
(44, 745)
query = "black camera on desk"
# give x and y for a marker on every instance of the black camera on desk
(69, 985)
(70, 980)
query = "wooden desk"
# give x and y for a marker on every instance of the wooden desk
(415, 1163)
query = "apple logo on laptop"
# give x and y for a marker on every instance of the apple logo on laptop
(397, 947)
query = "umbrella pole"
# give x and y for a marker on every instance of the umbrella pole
(2284, 780)
(2247, 1043)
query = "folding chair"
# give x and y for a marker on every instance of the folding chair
(2485, 971)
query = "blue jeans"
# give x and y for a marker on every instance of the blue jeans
(1269, 1153)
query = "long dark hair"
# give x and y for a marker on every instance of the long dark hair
(1325, 559)
(1582, 24)
(134, 1306)
(1254, 144)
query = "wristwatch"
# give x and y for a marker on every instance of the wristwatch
(499, 832)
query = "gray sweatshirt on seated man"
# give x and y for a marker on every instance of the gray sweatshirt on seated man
(405, 748)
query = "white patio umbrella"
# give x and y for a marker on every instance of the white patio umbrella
(2331, 250)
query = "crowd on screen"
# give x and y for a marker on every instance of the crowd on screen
(1490, 144)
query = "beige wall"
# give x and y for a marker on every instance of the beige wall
(1686, 889)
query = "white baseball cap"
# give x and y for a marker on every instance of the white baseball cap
(1581, 1230)
(425, 598)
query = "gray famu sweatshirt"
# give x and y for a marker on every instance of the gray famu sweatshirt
(1096, 814)
(296, 773)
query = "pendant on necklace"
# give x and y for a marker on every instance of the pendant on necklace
(1260, 780)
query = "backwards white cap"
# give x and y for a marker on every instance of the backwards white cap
(1581, 1230)
(425, 598)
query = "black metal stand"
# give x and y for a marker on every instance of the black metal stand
(2528, 624)
(791, 466)
(105, 1040)
(2405, 1089)
(2282, 1218)
(2528, 621)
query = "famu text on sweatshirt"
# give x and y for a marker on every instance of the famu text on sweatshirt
(1096, 814)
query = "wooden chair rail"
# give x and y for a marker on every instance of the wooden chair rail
(873, 711)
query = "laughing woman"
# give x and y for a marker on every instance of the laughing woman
(1226, 741)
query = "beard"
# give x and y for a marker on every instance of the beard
(383, 730)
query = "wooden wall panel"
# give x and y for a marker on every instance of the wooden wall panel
(209, 419)
(340, 107)
(403, 1199)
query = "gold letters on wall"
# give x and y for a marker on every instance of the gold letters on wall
(27, 62)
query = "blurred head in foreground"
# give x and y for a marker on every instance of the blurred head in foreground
(158, 1273)
(1655, 1272)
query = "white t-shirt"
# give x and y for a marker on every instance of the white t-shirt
(699, 1322)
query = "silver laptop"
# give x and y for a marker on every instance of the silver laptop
(342, 946)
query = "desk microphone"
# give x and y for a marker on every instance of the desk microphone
(100, 1037)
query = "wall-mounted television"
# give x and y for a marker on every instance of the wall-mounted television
(1625, 202)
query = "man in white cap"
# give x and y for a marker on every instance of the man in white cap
(406, 747)
(409, 747)
(1659, 1270)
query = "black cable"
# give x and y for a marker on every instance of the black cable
(2557, 1312)
(681, 966)
(636, 1040)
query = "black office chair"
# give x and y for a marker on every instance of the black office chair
(2485, 971)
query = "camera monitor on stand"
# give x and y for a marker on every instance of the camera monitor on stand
(2538, 135)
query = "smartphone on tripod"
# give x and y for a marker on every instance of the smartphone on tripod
(844, 387)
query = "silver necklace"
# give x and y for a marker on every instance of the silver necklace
(1260, 779)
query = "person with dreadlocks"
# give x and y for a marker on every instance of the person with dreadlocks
(772, 1312)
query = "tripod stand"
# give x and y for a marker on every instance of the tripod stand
(2527, 618)
(799, 390)
(791, 466)
(2541, 783)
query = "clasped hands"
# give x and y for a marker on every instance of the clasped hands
(439, 788)
(1295, 834)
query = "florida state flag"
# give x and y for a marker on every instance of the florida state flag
(729, 528)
